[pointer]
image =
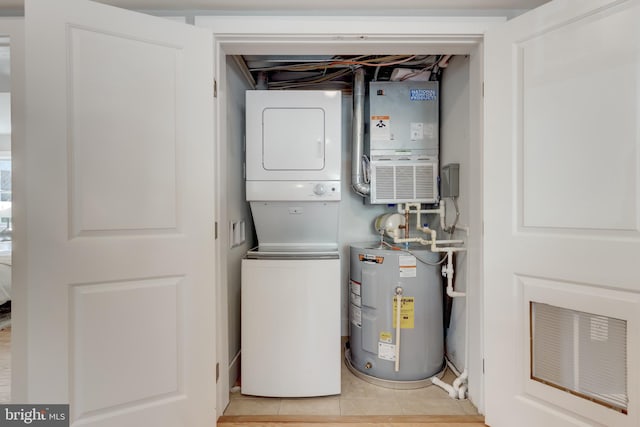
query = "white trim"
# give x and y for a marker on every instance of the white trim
(222, 242)
(350, 35)
(348, 25)
(14, 28)
(588, 299)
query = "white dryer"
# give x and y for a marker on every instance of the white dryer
(293, 135)
(291, 281)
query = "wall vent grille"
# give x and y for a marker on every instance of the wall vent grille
(581, 353)
(404, 181)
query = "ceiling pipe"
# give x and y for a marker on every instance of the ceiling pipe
(357, 144)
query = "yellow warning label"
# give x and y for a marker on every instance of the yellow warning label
(407, 312)
(386, 337)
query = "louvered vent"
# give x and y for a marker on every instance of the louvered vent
(425, 181)
(405, 187)
(581, 353)
(384, 186)
(404, 181)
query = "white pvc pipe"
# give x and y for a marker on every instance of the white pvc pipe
(449, 273)
(460, 380)
(446, 387)
(417, 209)
(462, 392)
(449, 242)
(398, 317)
(448, 270)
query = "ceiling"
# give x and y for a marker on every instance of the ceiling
(324, 6)
(328, 7)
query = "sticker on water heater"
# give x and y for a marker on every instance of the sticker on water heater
(371, 259)
(386, 351)
(407, 312)
(356, 300)
(355, 314)
(380, 128)
(408, 265)
(386, 337)
(355, 287)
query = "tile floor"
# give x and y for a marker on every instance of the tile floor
(358, 397)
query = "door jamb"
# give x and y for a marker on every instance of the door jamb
(235, 35)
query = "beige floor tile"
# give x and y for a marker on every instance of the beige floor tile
(253, 406)
(432, 407)
(468, 407)
(429, 392)
(311, 406)
(355, 388)
(237, 395)
(370, 406)
(358, 397)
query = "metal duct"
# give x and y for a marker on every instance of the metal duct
(357, 149)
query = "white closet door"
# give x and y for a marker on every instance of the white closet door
(562, 216)
(120, 256)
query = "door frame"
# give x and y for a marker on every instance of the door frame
(237, 35)
(13, 27)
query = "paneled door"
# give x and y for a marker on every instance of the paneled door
(562, 216)
(120, 216)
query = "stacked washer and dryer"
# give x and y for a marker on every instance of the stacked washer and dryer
(290, 310)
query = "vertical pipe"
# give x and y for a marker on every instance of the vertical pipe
(398, 318)
(357, 143)
(406, 222)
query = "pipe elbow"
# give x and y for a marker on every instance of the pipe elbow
(360, 187)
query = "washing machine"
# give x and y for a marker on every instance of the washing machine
(290, 301)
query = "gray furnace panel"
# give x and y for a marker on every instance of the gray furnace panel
(404, 118)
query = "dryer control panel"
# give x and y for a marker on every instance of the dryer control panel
(293, 190)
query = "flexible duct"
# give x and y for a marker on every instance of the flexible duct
(357, 143)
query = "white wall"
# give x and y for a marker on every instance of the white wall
(236, 206)
(455, 148)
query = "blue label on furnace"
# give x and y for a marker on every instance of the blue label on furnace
(422, 94)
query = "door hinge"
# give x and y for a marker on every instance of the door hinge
(215, 230)
(217, 371)
(483, 366)
(215, 88)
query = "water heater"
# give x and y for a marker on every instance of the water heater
(375, 274)
(404, 142)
